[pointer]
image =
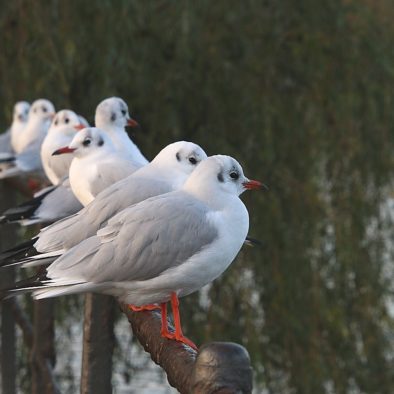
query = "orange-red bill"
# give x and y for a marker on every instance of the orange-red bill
(254, 185)
(61, 151)
(79, 127)
(132, 123)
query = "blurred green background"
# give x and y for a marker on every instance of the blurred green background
(301, 93)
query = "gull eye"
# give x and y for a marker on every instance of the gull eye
(44, 109)
(86, 142)
(193, 160)
(113, 116)
(234, 175)
(56, 122)
(123, 112)
(67, 120)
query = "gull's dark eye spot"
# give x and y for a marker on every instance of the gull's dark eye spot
(86, 142)
(113, 116)
(193, 160)
(44, 109)
(220, 177)
(101, 142)
(35, 110)
(56, 122)
(178, 156)
(67, 120)
(234, 175)
(123, 112)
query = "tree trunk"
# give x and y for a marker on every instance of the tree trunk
(7, 359)
(43, 344)
(98, 344)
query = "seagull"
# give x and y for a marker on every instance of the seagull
(166, 172)
(96, 165)
(20, 118)
(28, 159)
(163, 248)
(8, 138)
(45, 207)
(61, 133)
(112, 115)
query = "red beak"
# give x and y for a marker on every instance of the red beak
(132, 123)
(63, 150)
(79, 127)
(254, 185)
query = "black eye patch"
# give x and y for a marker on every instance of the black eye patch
(101, 142)
(113, 116)
(87, 142)
(178, 156)
(220, 177)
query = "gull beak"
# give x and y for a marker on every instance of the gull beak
(63, 150)
(253, 185)
(79, 127)
(132, 123)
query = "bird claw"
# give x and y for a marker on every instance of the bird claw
(148, 307)
(180, 338)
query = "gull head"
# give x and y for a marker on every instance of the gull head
(220, 173)
(112, 113)
(42, 109)
(21, 111)
(64, 122)
(180, 158)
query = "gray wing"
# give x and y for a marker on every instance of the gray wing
(140, 242)
(70, 231)
(5, 142)
(30, 158)
(57, 204)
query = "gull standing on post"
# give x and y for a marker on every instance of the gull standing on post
(163, 248)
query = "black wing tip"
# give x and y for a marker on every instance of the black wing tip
(253, 242)
(19, 252)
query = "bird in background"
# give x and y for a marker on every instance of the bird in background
(113, 116)
(9, 139)
(160, 249)
(28, 160)
(96, 163)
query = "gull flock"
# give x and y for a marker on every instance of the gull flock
(145, 232)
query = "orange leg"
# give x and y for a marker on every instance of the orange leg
(148, 307)
(178, 335)
(164, 323)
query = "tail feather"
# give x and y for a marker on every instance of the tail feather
(19, 252)
(25, 285)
